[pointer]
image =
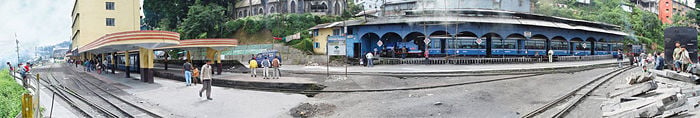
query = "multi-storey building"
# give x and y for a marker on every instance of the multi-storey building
(668, 8)
(247, 8)
(94, 18)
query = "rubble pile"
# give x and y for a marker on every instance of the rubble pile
(642, 95)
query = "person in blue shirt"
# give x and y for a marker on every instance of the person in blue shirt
(660, 61)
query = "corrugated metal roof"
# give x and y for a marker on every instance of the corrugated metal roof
(495, 20)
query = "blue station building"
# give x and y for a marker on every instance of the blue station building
(503, 31)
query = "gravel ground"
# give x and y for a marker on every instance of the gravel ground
(509, 98)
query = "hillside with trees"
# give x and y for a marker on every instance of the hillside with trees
(645, 26)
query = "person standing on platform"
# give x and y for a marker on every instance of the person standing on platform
(619, 58)
(195, 76)
(276, 68)
(369, 57)
(253, 67)
(98, 66)
(404, 51)
(266, 65)
(550, 53)
(187, 68)
(205, 75)
(104, 65)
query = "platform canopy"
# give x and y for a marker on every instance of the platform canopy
(132, 40)
(216, 44)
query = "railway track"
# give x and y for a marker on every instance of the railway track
(561, 106)
(106, 103)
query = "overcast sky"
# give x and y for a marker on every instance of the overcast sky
(36, 22)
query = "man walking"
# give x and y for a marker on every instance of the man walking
(253, 67)
(266, 65)
(205, 75)
(187, 68)
(276, 68)
(369, 57)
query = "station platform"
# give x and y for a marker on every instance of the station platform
(183, 101)
(244, 81)
(444, 68)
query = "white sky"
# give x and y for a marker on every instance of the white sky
(36, 22)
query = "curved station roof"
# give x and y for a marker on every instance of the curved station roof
(216, 44)
(131, 40)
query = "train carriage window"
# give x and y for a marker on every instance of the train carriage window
(560, 45)
(535, 44)
(504, 44)
(601, 47)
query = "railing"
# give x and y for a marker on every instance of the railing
(507, 60)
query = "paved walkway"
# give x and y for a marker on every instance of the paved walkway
(184, 101)
(411, 68)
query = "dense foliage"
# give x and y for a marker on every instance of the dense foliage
(645, 26)
(211, 19)
(203, 21)
(10, 95)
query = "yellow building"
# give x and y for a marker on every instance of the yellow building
(320, 34)
(93, 19)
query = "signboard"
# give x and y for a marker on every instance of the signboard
(336, 45)
(527, 34)
(584, 45)
(426, 41)
(380, 43)
(478, 41)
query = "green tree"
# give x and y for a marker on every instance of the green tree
(204, 21)
(165, 14)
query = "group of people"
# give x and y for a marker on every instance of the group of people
(204, 77)
(266, 63)
(681, 59)
(91, 65)
(22, 69)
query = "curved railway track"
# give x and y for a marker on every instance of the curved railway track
(103, 101)
(561, 106)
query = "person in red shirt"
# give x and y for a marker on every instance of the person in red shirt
(26, 67)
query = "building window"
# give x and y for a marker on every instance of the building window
(315, 32)
(110, 21)
(317, 45)
(109, 5)
(337, 32)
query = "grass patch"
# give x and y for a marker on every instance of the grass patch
(10, 95)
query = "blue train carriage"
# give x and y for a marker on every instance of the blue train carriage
(121, 64)
(560, 46)
(602, 48)
(412, 48)
(537, 45)
(614, 47)
(580, 47)
(505, 47)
